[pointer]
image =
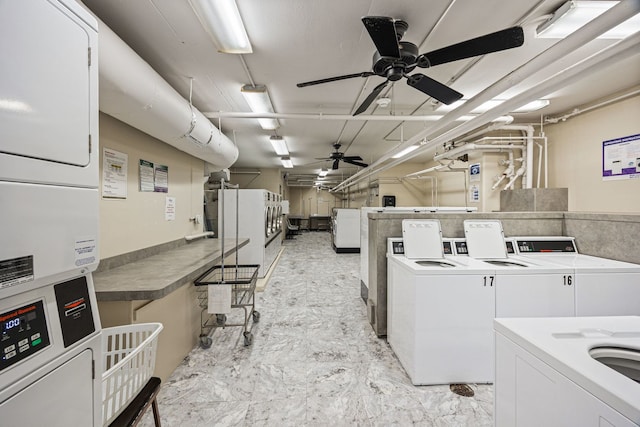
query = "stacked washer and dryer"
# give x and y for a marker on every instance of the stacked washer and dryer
(50, 343)
(259, 218)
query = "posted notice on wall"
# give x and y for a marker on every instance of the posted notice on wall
(146, 176)
(474, 172)
(170, 209)
(621, 158)
(114, 174)
(161, 180)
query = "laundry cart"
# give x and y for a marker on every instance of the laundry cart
(222, 289)
(225, 288)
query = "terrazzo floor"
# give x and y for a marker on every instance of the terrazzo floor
(314, 361)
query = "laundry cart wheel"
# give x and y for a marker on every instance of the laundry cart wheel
(205, 342)
(248, 338)
(221, 319)
(256, 316)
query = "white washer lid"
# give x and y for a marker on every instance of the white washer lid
(422, 239)
(485, 239)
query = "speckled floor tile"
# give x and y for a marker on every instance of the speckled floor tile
(314, 360)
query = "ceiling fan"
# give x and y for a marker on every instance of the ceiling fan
(395, 59)
(336, 156)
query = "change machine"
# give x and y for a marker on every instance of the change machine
(50, 349)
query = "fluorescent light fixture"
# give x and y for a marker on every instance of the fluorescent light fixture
(323, 172)
(575, 14)
(279, 145)
(488, 105)
(221, 19)
(286, 162)
(405, 151)
(258, 99)
(534, 105)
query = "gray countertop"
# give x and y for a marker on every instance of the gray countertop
(159, 275)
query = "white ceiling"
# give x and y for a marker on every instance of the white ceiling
(302, 40)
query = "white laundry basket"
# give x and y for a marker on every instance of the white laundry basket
(129, 357)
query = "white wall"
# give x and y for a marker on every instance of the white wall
(575, 158)
(138, 221)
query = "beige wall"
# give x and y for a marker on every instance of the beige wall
(408, 192)
(267, 179)
(575, 158)
(310, 201)
(139, 220)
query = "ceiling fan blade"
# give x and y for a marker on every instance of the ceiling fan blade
(333, 79)
(353, 162)
(433, 88)
(335, 164)
(494, 42)
(323, 158)
(374, 93)
(345, 158)
(383, 33)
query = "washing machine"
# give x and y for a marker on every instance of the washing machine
(524, 288)
(603, 287)
(439, 310)
(581, 371)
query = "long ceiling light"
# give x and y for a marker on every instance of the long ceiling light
(279, 145)
(323, 172)
(221, 19)
(286, 162)
(492, 103)
(573, 15)
(258, 99)
(405, 151)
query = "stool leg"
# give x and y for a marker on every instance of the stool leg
(156, 413)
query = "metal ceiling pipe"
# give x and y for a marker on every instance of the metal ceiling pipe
(134, 93)
(321, 116)
(605, 57)
(527, 178)
(614, 16)
(458, 151)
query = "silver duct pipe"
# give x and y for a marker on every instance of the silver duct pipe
(133, 92)
(603, 23)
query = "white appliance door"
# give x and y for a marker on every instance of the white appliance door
(45, 83)
(62, 398)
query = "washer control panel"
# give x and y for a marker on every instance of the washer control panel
(24, 333)
(541, 246)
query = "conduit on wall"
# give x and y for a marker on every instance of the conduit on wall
(133, 92)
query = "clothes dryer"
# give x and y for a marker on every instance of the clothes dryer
(581, 371)
(439, 310)
(603, 287)
(524, 288)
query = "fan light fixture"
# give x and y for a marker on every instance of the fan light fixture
(573, 15)
(221, 19)
(258, 99)
(323, 172)
(279, 145)
(286, 162)
(405, 151)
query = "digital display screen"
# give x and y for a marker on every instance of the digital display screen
(24, 332)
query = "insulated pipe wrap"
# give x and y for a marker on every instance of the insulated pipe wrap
(133, 92)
